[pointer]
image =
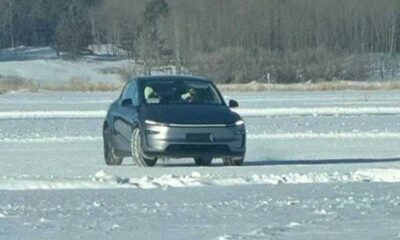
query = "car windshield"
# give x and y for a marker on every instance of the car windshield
(180, 92)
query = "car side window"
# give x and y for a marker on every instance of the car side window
(131, 92)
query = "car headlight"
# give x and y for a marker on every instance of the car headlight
(149, 122)
(154, 123)
(239, 123)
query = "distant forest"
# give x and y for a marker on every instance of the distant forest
(231, 41)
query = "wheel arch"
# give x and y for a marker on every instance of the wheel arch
(106, 125)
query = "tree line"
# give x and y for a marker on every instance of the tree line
(229, 40)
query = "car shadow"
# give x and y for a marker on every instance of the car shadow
(290, 162)
(321, 161)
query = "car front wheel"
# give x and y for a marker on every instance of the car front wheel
(110, 155)
(137, 151)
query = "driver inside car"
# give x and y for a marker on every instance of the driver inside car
(191, 96)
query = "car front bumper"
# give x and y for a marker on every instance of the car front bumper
(177, 141)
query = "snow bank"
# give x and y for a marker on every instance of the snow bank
(195, 179)
(378, 175)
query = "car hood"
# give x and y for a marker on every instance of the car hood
(189, 114)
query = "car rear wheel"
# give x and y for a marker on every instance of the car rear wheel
(233, 161)
(137, 151)
(110, 155)
(203, 161)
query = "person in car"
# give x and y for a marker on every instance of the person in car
(191, 96)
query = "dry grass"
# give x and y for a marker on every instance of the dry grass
(9, 84)
(81, 85)
(320, 86)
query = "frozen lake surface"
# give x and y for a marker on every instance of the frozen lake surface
(318, 164)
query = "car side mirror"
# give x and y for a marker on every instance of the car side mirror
(127, 102)
(233, 104)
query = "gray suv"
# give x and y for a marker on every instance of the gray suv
(173, 117)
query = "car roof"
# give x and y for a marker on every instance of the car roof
(171, 77)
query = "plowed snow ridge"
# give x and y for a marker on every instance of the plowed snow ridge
(246, 112)
(195, 179)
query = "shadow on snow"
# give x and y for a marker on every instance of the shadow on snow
(288, 162)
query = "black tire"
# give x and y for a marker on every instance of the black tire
(110, 155)
(137, 151)
(203, 161)
(233, 161)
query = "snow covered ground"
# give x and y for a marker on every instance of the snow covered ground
(44, 66)
(319, 165)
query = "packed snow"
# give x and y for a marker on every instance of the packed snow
(320, 164)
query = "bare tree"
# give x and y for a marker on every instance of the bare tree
(230, 40)
(7, 19)
(10, 21)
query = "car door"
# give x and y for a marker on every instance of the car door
(126, 116)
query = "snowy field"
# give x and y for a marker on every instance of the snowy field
(319, 165)
(44, 66)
